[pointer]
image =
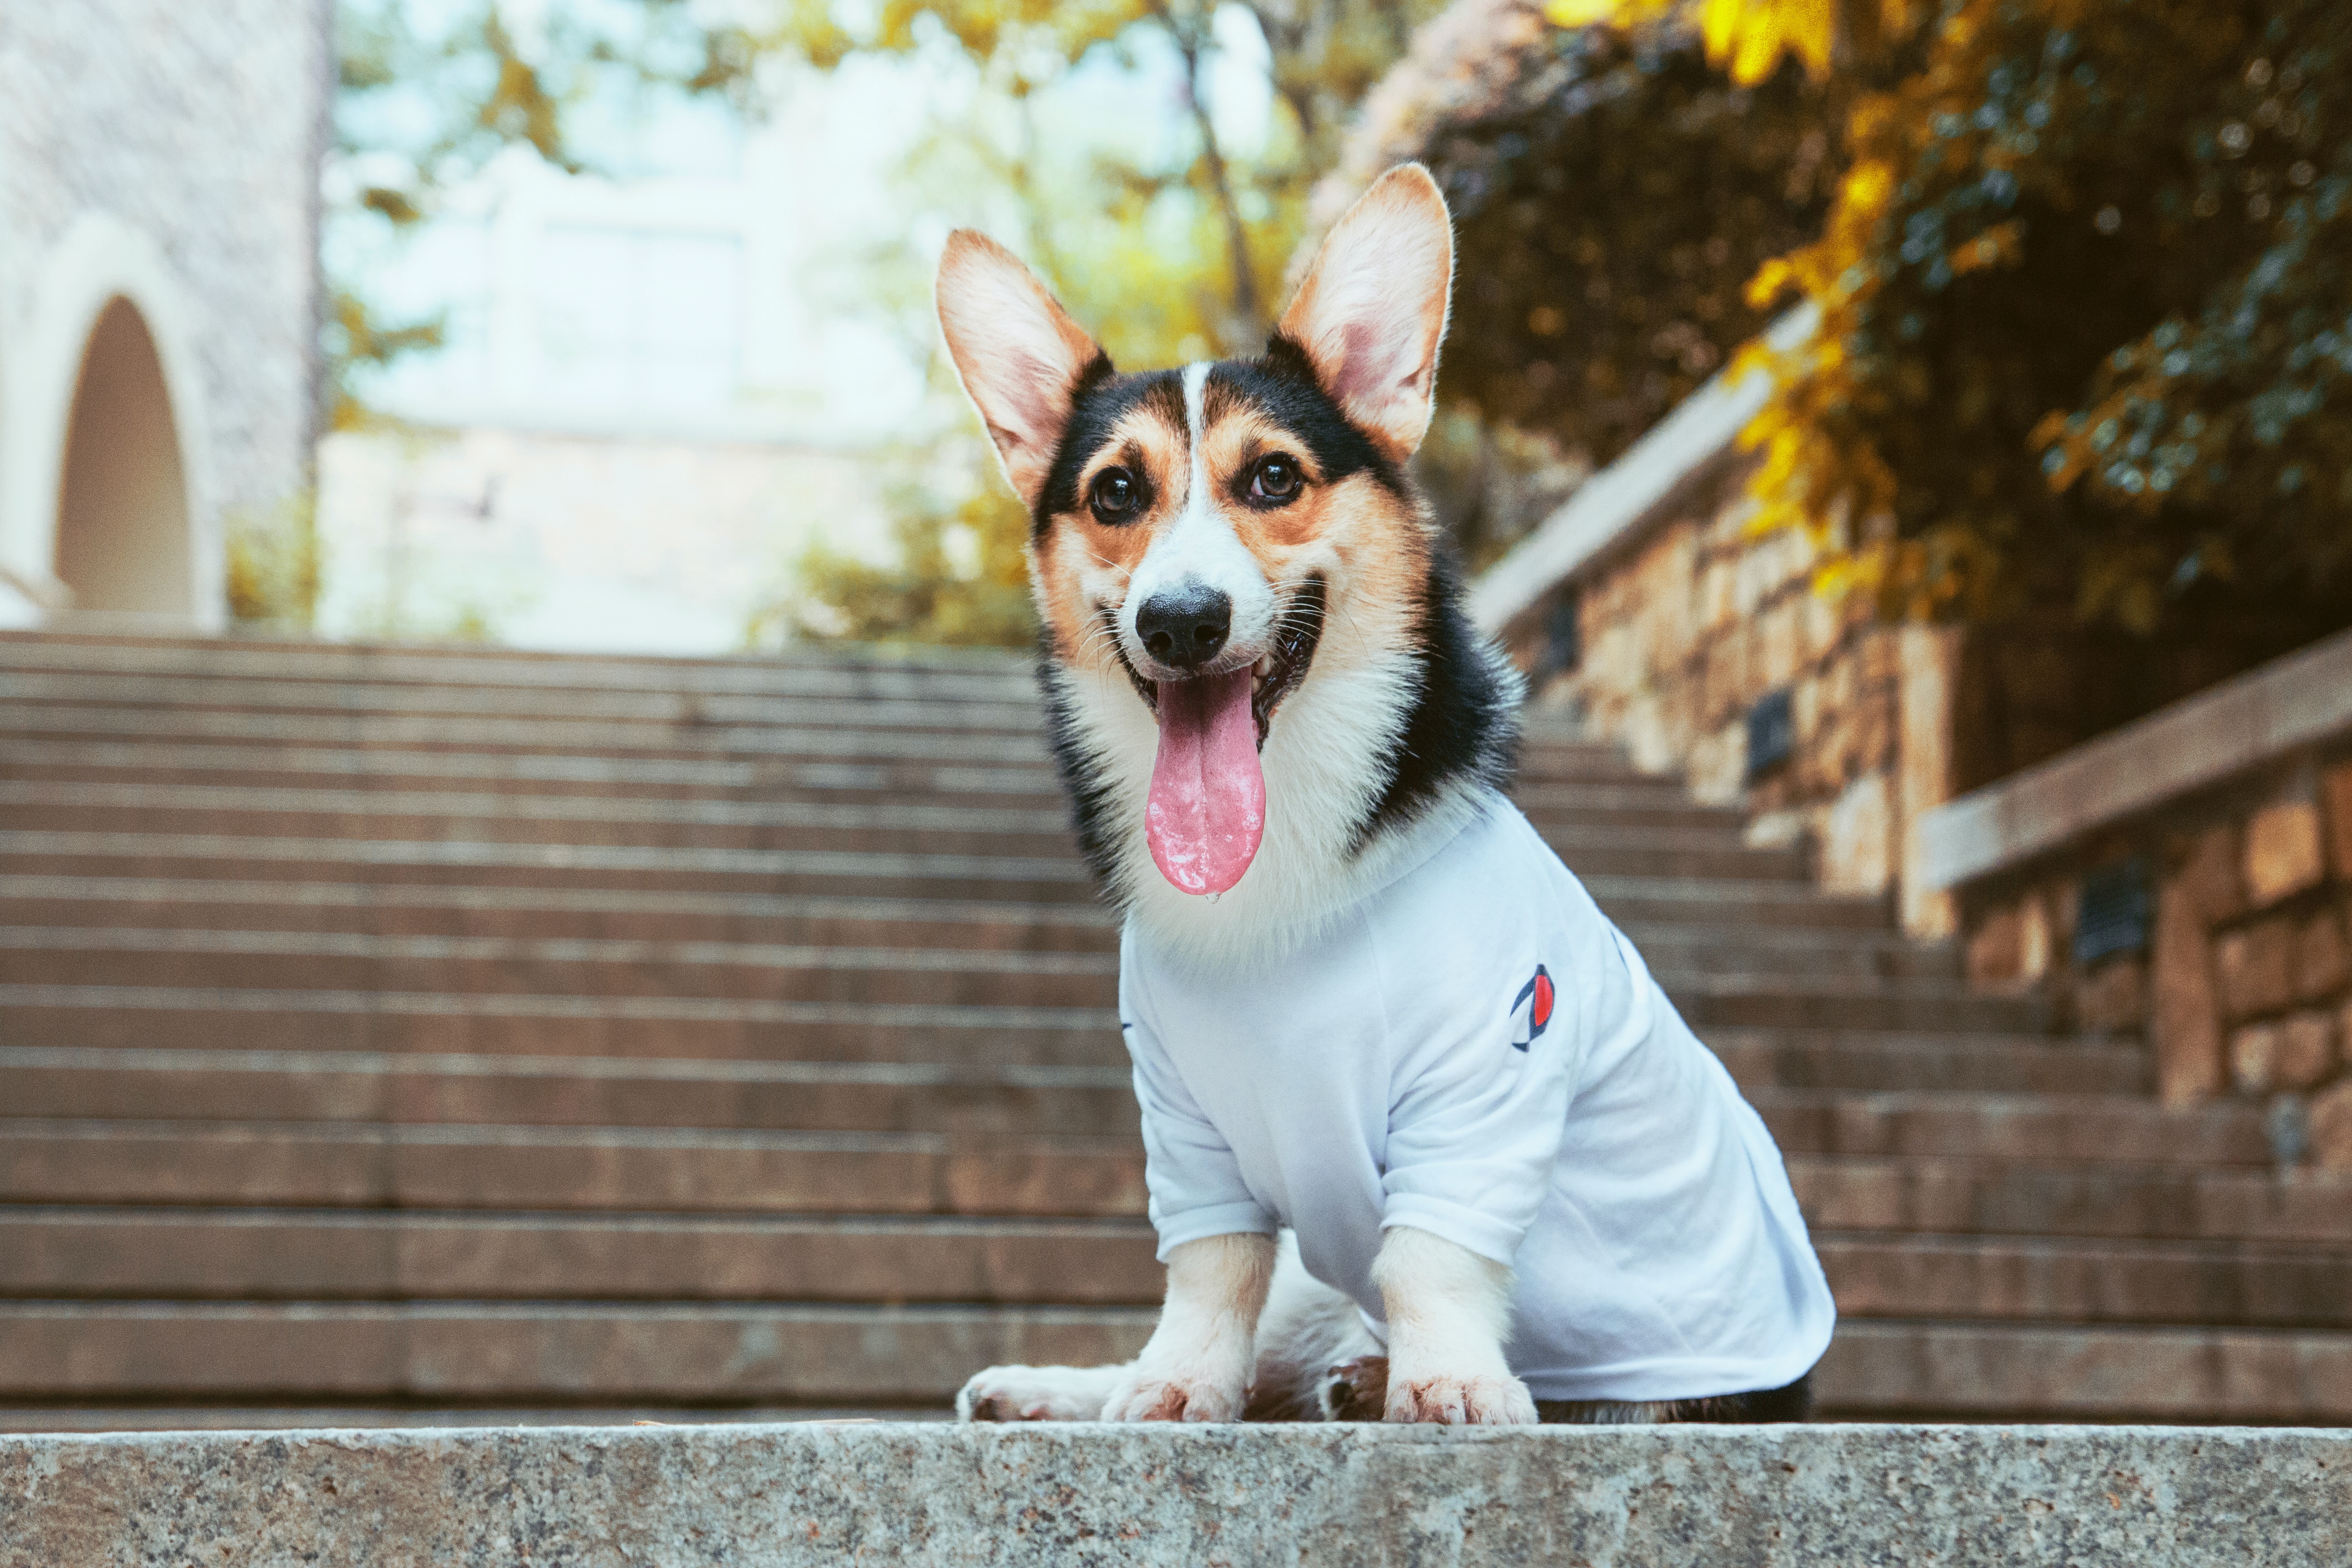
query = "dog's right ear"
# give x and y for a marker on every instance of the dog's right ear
(1018, 351)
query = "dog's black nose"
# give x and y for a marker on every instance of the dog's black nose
(1185, 625)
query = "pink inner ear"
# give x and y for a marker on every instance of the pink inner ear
(1373, 307)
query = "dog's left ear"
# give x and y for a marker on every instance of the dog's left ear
(1372, 313)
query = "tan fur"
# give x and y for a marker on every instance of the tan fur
(1016, 351)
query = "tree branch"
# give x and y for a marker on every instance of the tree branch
(1193, 46)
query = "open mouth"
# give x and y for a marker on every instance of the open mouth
(1277, 673)
(1206, 813)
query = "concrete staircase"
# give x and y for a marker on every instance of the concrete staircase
(394, 1035)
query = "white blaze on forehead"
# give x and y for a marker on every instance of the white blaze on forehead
(1199, 545)
(1196, 431)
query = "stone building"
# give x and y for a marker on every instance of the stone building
(159, 295)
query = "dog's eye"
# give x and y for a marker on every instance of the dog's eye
(1115, 494)
(1275, 478)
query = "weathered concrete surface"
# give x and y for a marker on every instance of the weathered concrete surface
(1645, 1498)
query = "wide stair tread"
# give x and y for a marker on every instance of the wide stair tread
(466, 1030)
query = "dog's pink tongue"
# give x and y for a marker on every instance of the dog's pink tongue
(1207, 811)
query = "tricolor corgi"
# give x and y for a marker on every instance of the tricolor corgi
(1424, 1140)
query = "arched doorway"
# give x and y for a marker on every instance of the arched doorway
(122, 495)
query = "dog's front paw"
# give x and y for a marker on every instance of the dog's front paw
(1035, 1393)
(1470, 1399)
(1154, 1396)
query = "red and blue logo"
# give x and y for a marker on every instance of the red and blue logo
(1531, 1010)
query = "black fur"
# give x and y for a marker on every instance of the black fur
(1090, 792)
(1462, 724)
(1101, 398)
(1281, 381)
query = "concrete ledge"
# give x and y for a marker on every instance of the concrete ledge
(2286, 706)
(1652, 1496)
(1610, 508)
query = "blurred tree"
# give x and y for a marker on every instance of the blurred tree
(2084, 267)
(959, 576)
(1169, 249)
(420, 107)
(2087, 320)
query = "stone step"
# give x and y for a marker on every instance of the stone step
(1538, 794)
(1767, 1058)
(464, 733)
(806, 872)
(936, 1495)
(832, 672)
(1724, 902)
(680, 1028)
(344, 1165)
(1855, 955)
(188, 1084)
(1900, 1371)
(598, 966)
(2005, 1195)
(395, 908)
(2099, 1130)
(142, 1415)
(1779, 1000)
(2069, 1280)
(224, 811)
(813, 1353)
(365, 702)
(363, 1086)
(585, 773)
(287, 1254)
(1668, 853)
(588, 969)
(471, 1166)
(367, 1088)
(714, 738)
(442, 910)
(1617, 880)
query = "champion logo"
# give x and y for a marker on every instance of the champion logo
(1532, 1009)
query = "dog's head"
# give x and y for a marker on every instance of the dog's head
(1216, 537)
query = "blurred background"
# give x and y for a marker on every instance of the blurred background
(529, 875)
(598, 273)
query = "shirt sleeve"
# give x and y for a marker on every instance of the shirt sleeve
(1194, 1181)
(1477, 1119)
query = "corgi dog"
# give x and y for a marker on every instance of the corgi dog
(1423, 1140)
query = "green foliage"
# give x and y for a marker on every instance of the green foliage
(1608, 210)
(273, 567)
(1166, 260)
(960, 578)
(2087, 320)
(418, 109)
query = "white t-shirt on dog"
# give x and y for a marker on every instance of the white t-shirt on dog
(1474, 1050)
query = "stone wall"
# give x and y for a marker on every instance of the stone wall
(168, 153)
(1693, 620)
(2243, 979)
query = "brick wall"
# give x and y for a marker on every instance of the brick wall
(1696, 621)
(2241, 979)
